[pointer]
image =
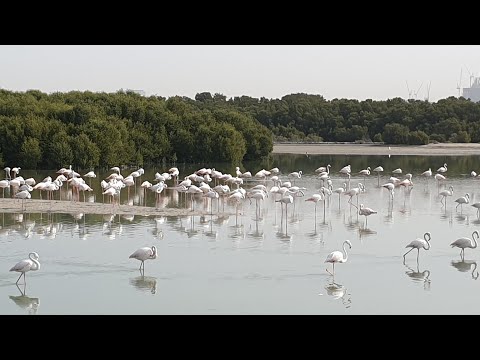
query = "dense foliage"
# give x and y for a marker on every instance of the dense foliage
(303, 117)
(88, 130)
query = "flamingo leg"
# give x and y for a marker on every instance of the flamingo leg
(407, 252)
(329, 272)
(19, 278)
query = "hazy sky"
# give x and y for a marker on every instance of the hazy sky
(334, 71)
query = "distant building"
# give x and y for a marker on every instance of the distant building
(139, 92)
(473, 92)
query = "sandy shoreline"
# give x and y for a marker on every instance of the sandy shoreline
(445, 149)
(8, 205)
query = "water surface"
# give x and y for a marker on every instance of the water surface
(255, 264)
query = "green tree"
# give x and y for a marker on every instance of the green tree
(30, 153)
(418, 138)
(395, 134)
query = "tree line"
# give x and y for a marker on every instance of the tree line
(88, 130)
(304, 117)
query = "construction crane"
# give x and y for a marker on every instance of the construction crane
(428, 92)
(459, 84)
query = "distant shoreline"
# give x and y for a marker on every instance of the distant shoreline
(441, 149)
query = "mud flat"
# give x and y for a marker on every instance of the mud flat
(8, 205)
(442, 149)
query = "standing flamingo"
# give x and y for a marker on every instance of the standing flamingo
(418, 244)
(338, 257)
(465, 242)
(442, 169)
(365, 211)
(315, 198)
(462, 200)
(26, 265)
(365, 173)
(378, 170)
(446, 193)
(143, 254)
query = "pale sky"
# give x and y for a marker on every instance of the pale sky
(360, 72)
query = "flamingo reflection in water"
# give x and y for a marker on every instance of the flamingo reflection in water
(25, 302)
(465, 266)
(145, 283)
(338, 291)
(419, 276)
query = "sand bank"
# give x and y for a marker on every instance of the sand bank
(8, 205)
(444, 149)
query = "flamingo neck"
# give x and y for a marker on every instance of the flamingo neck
(474, 240)
(427, 240)
(345, 258)
(36, 263)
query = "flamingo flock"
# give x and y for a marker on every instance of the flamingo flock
(213, 185)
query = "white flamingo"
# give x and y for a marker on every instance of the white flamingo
(338, 257)
(465, 242)
(442, 169)
(144, 253)
(26, 265)
(365, 211)
(446, 193)
(419, 244)
(462, 200)
(378, 170)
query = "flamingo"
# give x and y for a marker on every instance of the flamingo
(378, 170)
(296, 175)
(442, 169)
(346, 170)
(446, 193)
(462, 200)
(465, 266)
(365, 173)
(477, 206)
(315, 198)
(365, 211)
(354, 191)
(340, 191)
(427, 173)
(338, 257)
(418, 244)
(389, 187)
(7, 173)
(143, 254)
(24, 194)
(4, 184)
(322, 169)
(26, 265)
(465, 242)
(397, 171)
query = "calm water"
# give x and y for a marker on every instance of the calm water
(217, 264)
